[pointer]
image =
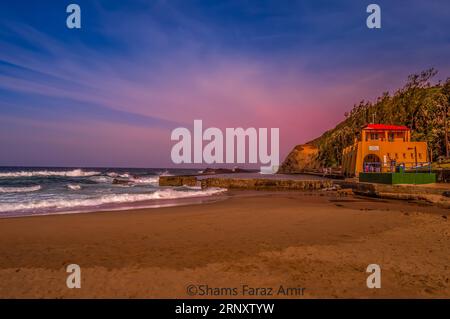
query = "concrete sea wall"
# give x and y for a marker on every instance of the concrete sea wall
(265, 184)
(245, 183)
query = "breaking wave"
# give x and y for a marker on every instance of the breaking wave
(114, 174)
(101, 179)
(20, 189)
(146, 180)
(70, 204)
(71, 173)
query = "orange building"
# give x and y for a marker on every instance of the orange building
(381, 149)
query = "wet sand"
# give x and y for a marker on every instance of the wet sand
(322, 243)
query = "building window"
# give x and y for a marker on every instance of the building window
(412, 155)
(404, 155)
(396, 155)
(420, 155)
(391, 137)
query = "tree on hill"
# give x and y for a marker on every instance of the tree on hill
(419, 105)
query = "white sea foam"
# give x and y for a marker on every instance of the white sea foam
(74, 187)
(146, 180)
(61, 204)
(114, 174)
(20, 189)
(71, 173)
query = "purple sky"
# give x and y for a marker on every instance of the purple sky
(111, 93)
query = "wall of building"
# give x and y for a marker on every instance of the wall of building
(399, 149)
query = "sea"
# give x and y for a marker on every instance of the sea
(29, 191)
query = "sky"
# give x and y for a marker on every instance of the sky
(109, 94)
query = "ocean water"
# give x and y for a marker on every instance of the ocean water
(41, 191)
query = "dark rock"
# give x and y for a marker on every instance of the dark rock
(177, 180)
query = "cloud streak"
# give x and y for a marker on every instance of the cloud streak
(134, 73)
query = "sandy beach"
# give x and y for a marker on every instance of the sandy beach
(319, 242)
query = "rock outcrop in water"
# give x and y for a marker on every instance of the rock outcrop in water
(302, 158)
(177, 181)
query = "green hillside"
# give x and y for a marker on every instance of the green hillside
(420, 105)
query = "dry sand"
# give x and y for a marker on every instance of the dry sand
(260, 239)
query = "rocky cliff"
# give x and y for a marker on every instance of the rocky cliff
(301, 158)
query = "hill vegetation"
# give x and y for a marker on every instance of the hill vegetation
(420, 105)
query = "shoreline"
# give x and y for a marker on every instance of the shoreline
(139, 205)
(321, 242)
